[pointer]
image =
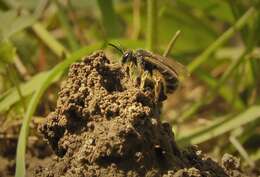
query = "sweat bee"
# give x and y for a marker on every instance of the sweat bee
(165, 73)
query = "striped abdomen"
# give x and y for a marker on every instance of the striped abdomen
(171, 81)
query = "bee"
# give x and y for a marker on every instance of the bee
(166, 73)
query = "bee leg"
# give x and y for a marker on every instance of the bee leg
(159, 88)
(114, 66)
(133, 72)
(160, 94)
(144, 77)
(126, 68)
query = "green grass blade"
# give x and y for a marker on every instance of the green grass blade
(237, 9)
(255, 156)
(151, 32)
(219, 126)
(231, 69)
(72, 40)
(252, 36)
(248, 132)
(241, 150)
(12, 23)
(109, 18)
(186, 114)
(11, 96)
(224, 90)
(28, 88)
(22, 141)
(220, 41)
(48, 39)
(171, 43)
(217, 9)
(136, 19)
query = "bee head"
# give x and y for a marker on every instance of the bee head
(127, 56)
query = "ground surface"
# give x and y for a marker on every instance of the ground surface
(105, 125)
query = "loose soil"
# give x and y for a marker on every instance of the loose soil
(104, 125)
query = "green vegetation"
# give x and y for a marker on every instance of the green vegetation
(219, 44)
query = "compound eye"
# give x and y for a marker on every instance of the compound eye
(125, 57)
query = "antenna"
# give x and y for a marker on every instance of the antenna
(116, 47)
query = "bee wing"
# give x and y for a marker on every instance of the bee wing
(166, 63)
(179, 68)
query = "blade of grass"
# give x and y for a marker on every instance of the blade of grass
(198, 19)
(109, 18)
(171, 43)
(72, 40)
(188, 113)
(151, 32)
(251, 42)
(13, 78)
(22, 141)
(241, 150)
(40, 8)
(218, 87)
(224, 90)
(29, 87)
(255, 156)
(217, 9)
(11, 23)
(7, 58)
(237, 9)
(248, 132)
(220, 41)
(49, 40)
(219, 127)
(171, 18)
(233, 67)
(136, 18)
(19, 22)
(11, 97)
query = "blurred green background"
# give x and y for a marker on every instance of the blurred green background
(217, 107)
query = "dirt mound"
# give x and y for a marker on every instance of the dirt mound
(105, 125)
